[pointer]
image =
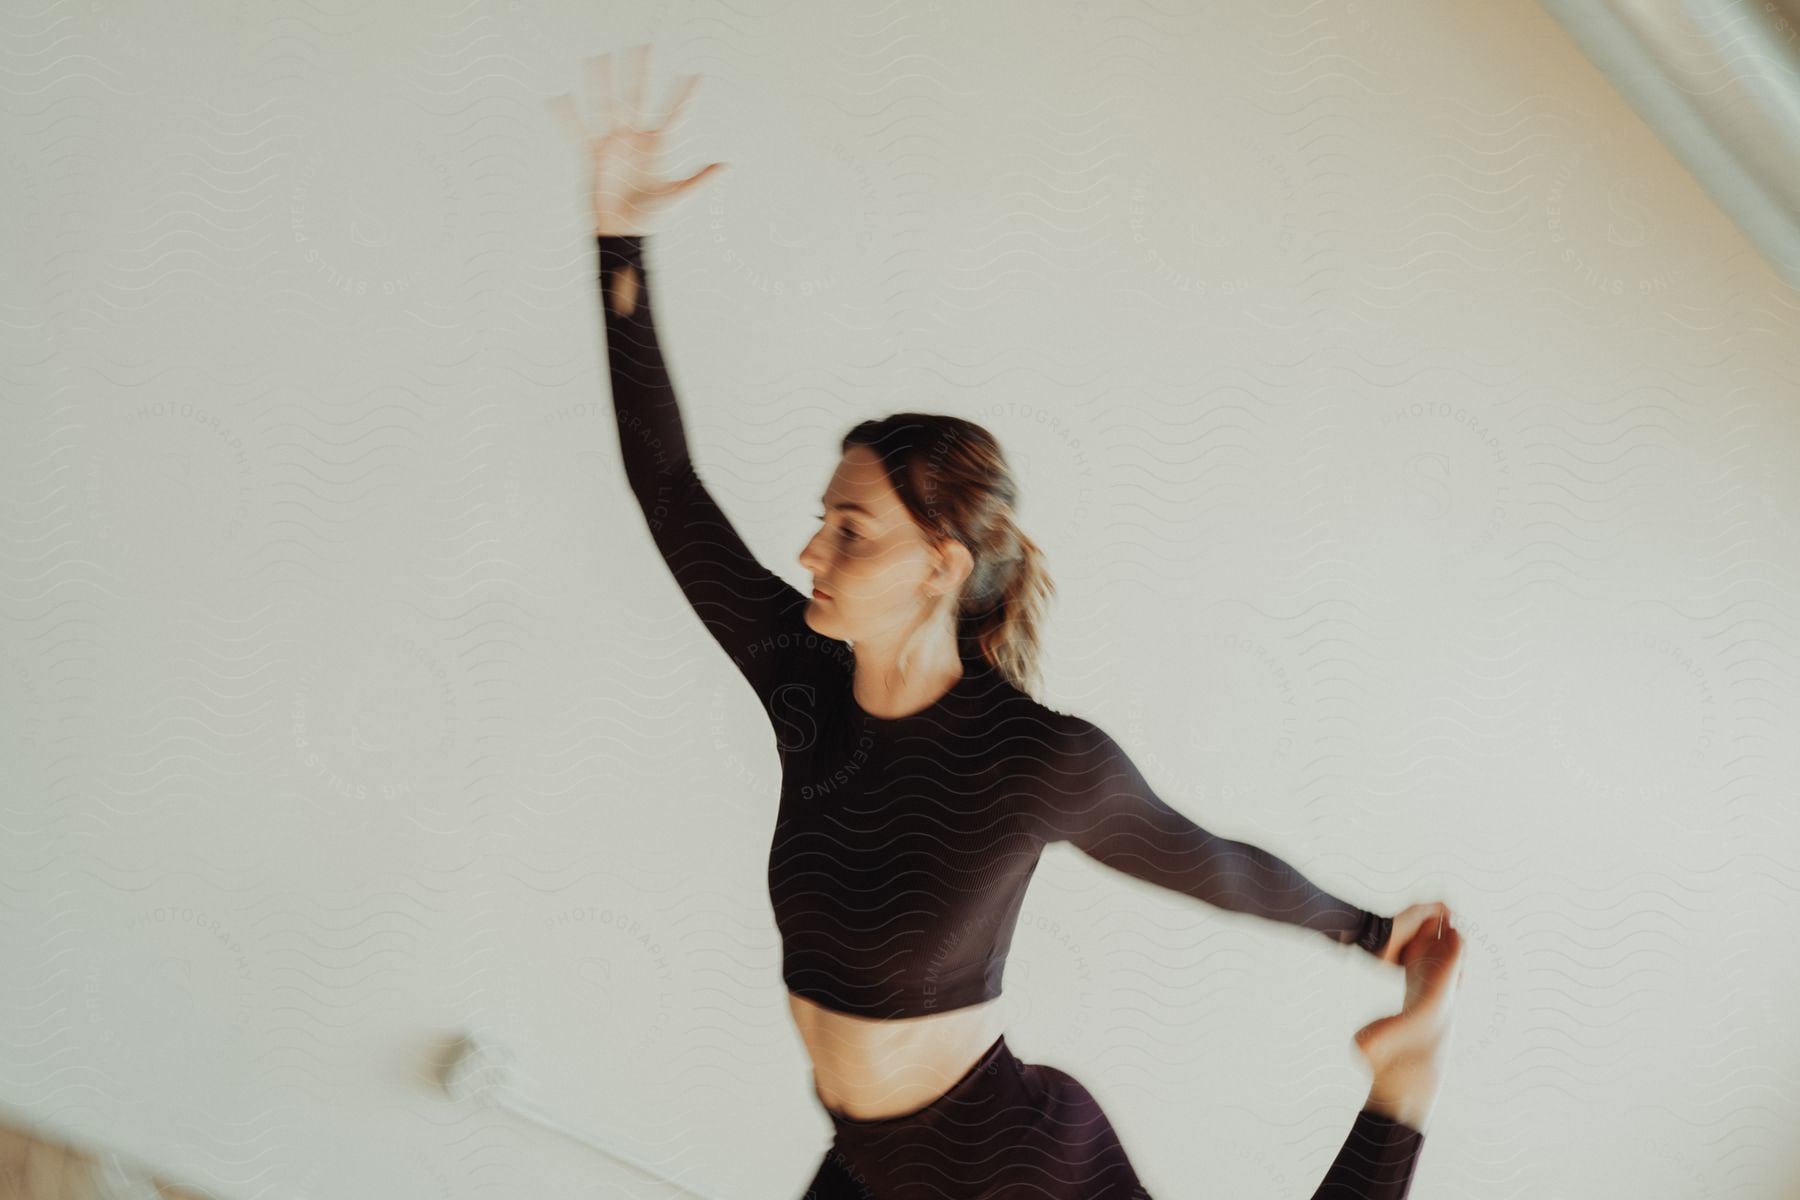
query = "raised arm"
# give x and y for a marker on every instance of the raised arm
(1098, 801)
(744, 606)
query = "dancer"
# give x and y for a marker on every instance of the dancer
(921, 780)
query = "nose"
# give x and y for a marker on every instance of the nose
(808, 559)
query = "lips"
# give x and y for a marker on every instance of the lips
(817, 594)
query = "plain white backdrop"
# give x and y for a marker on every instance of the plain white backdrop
(1412, 440)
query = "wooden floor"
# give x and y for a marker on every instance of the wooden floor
(32, 1168)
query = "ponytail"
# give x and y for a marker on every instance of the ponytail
(1009, 627)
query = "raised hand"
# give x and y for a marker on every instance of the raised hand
(623, 145)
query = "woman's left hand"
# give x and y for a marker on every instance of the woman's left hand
(1408, 922)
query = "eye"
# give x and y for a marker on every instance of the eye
(849, 534)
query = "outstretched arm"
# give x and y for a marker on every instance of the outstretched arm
(1099, 801)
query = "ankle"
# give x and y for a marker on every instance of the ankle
(1406, 1092)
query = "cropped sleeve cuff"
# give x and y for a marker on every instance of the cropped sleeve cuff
(618, 250)
(1375, 933)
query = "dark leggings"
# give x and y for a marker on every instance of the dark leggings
(1009, 1128)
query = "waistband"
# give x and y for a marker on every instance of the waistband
(996, 1058)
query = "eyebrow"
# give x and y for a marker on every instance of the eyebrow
(847, 507)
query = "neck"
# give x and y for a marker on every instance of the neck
(932, 669)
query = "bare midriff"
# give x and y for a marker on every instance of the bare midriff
(869, 1068)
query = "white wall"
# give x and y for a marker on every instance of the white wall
(1412, 439)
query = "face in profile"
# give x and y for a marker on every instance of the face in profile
(873, 568)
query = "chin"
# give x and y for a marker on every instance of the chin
(822, 621)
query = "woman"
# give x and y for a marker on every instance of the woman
(921, 781)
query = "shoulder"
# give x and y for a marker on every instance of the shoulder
(1068, 740)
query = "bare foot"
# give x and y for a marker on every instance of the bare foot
(1408, 1051)
(1409, 921)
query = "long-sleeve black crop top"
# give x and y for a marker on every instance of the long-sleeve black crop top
(902, 847)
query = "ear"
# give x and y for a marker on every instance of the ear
(955, 565)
